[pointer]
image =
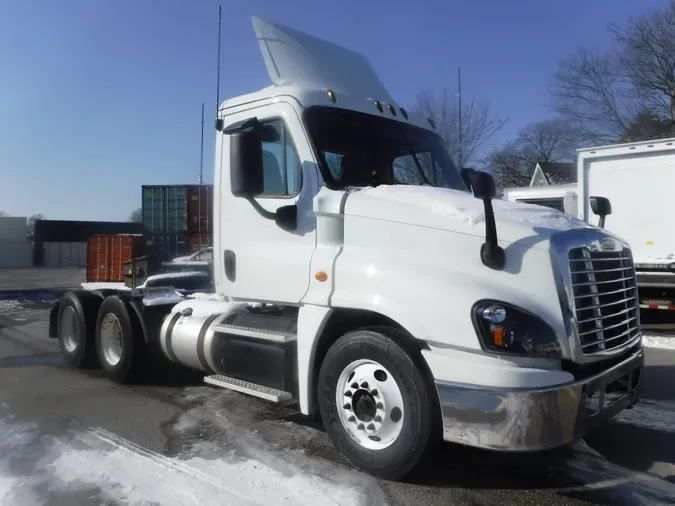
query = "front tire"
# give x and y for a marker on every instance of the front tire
(118, 344)
(376, 404)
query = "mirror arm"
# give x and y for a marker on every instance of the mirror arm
(492, 255)
(285, 220)
(268, 215)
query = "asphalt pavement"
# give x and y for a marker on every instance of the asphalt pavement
(74, 438)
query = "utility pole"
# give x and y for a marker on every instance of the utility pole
(218, 65)
(459, 115)
(201, 155)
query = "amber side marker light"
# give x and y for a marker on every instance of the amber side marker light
(321, 276)
(498, 336)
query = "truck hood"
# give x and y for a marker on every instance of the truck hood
(458, 211)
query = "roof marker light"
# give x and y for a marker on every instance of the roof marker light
(378, 105)
(404, 113)
(391, 109)
(431, 122)
(331, 95)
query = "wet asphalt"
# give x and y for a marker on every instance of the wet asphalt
(628, 461)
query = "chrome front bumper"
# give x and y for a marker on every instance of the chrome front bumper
(536, 419)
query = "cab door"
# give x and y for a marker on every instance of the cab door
(260, 260)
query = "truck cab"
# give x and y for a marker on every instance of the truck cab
(363, 277)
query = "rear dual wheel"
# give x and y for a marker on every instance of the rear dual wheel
(119, 346)
(75, 326)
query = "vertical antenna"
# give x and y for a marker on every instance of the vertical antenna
(459, 115)
(218, 66)
(201, 155)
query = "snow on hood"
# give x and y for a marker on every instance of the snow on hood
(458, 211)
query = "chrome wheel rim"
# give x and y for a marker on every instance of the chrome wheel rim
(370, 404)
(111, 339)
(70, 330)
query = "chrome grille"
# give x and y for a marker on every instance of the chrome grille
(605, 298)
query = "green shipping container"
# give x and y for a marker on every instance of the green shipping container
(165, 208)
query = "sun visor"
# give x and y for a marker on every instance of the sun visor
(296, 58)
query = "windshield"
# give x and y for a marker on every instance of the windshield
(357, 149)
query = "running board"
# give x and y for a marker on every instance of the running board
(245, 387)
(264, 335)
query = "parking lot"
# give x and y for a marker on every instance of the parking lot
(69, 437)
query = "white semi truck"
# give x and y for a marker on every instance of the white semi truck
(361, 279)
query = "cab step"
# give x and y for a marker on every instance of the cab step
(245, 387)
(276, 336)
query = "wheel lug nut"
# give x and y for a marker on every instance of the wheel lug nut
(371, 426)
(355, 385)
(351, 418)
(377, 419)
(364, 384)
(348, 393)
(380, 405)
(360, 426)
(373, 393)
(347, 406)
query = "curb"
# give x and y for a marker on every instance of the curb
(33, 294)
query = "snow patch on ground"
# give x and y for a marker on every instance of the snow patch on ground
(9, 305)
(649, 415)
(664, 342)
(119, 470)
(613, 483)
(104, 286)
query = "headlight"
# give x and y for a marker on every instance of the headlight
(503, 328)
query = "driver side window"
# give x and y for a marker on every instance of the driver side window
(281, 164)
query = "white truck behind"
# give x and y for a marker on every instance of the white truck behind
(361, 279)
(638, 178)
(561, 197)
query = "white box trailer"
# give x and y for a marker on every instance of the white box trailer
(561, 197)
(639, 181)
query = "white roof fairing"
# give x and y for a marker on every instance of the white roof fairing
(303, 67)
(297, 58)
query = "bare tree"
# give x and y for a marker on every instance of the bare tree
(479, 123)
(591, 91)
(30, 222)
(548, 141)
(647, 57)
(136, 216)
(627, 93)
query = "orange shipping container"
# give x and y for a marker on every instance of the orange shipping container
(200, 209)
(106, 254)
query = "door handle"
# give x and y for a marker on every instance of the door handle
(230, 260)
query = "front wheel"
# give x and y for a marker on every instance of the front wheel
(375, 403)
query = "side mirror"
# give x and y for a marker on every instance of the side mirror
(482, 184)
(246, 164)
(484, 188)
(466, 177)
(602, 207)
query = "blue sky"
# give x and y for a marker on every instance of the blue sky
(98, 98)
